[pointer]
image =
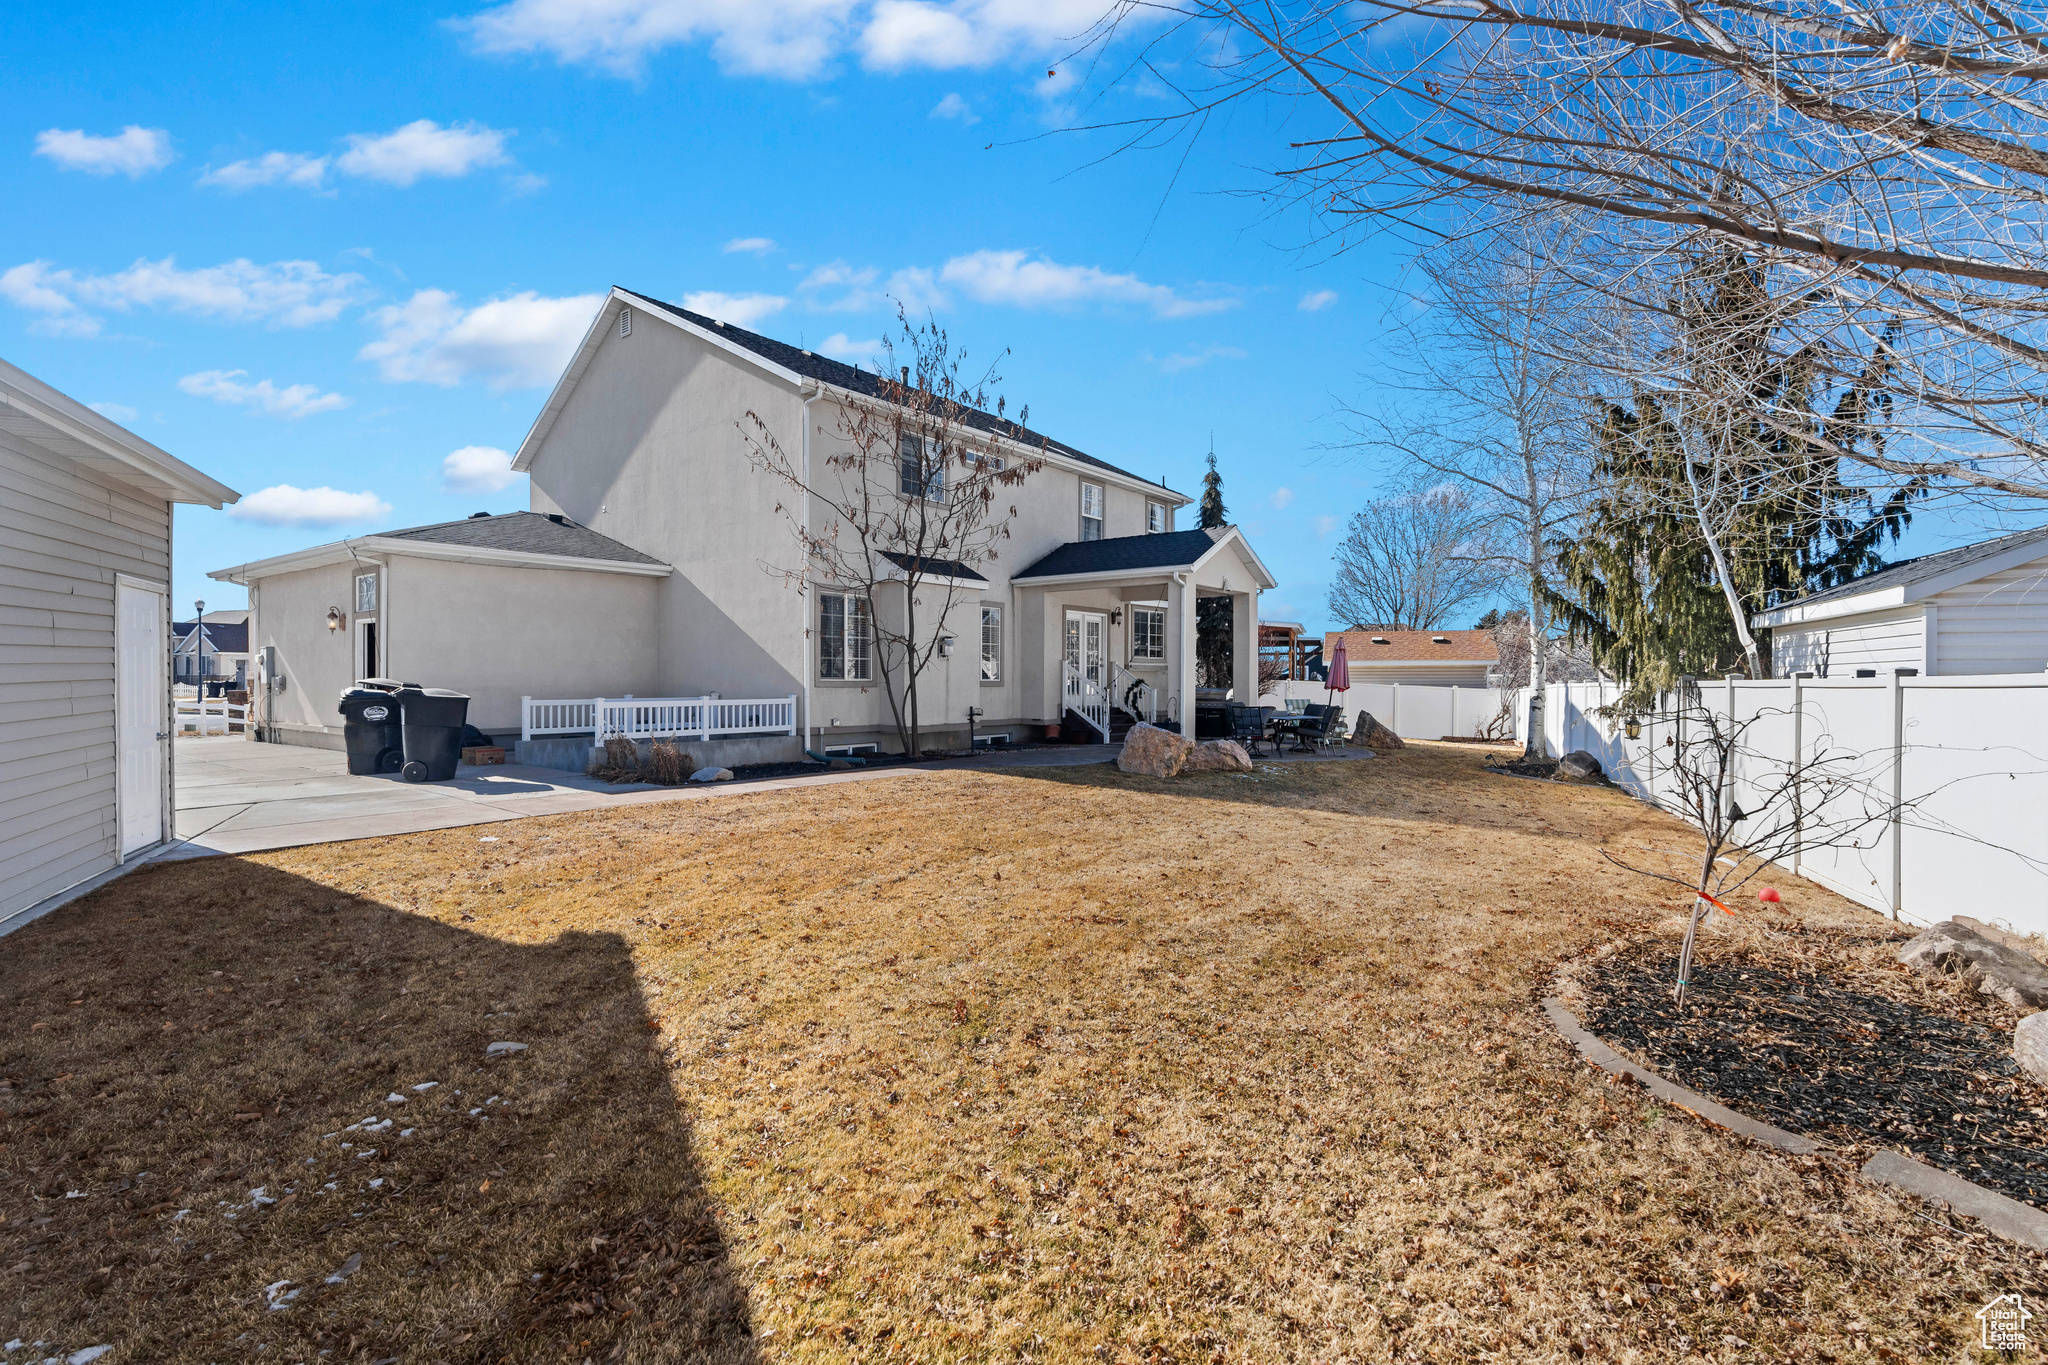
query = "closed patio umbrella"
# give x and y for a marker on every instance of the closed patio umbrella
(1340, 672)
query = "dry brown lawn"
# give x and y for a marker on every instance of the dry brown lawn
(954, 1066)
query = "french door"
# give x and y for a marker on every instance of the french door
(1087, 643)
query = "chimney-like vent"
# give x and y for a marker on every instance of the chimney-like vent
(625, 322)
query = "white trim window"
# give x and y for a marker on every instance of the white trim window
(845, 641)
(1091, 511)
(991, 644)
(1155, 517)
(920, 473)
(1148, 633)
(366, 593)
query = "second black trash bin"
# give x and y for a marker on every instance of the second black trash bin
(370, 727)
(434, 717)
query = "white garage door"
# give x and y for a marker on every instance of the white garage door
(139, 700)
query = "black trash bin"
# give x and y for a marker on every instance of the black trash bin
(434, 718)
(372, 730)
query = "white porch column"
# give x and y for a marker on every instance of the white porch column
(1180, 648)
(1244, 652)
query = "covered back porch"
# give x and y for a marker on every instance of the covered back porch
(1140, 628)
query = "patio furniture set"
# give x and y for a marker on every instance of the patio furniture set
(1309, 727)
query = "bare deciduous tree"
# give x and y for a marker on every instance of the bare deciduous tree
(1882, 167)
(1410, 561)
(915, 489)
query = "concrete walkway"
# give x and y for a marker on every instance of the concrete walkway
(237, 797)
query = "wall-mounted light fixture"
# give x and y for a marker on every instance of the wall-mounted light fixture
(1116, 618)
(334, 619)
(1633, 729)
(945, 646)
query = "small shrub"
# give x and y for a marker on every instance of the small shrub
(621, 762)
(668, 764)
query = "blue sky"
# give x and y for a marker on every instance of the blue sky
(331, 250)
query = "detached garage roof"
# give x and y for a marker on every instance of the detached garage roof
(33, 410)
(527, 540)
(1911, 580)
(1412, 646)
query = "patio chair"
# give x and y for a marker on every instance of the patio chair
(1315, 731)
(1248, 726)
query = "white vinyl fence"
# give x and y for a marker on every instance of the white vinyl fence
(206, 715)
(657, 717)
(1412, 710)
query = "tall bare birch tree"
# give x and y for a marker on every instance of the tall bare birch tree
(1882, 166)
(914, 487)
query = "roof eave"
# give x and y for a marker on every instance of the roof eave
(1232, 533)
(1859, 604)
(36, 400)
(342, 551)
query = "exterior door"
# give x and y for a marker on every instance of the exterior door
(1086, 643)
(140, 733)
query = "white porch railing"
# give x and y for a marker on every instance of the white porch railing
(207, 715)
(1084, 696)
(1133, 693)
(656, 717)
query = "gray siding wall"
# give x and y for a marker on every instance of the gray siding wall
(1837, 648)
(1998, 624)
(65, 532)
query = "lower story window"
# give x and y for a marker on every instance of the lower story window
(845, 648)
(991, 644)
(1148, 633)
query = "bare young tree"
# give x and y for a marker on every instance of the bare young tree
(1498, 415)
(1880, 165)
(1410, 561)
(914, 491)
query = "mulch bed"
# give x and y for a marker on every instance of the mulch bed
(1835, 1056)
(1542, 769)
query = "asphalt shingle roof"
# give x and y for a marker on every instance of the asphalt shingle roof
(221, 636)
(1908, 571)
(1163, 550)
(940, 568)
(1412, 646)
(528, 532)
(826, 370)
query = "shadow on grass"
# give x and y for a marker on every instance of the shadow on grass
(204, 1156)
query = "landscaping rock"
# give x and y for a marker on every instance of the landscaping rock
(2032, 947)
(712, 775)
(841, 765)
(504, 1049)
(1951, 949)
(1579, 766)
(1152, 752)
(2030, 1046)
(1218, 756)
(1370, 734)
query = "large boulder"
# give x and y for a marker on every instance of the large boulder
(1218, 756)
(2030, 1045)
(1153, 752)
(1578, 766)
(1951, 949)
(1370, 734)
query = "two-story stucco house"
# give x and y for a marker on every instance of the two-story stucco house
(650, 565)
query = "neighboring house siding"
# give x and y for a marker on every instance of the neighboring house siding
(1837, 648)
(65, 532)
(1436, 675)
(1998, 624)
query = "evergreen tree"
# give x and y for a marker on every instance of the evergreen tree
(1212, 513)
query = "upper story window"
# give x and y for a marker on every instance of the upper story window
(919, 471)
(366, 593)
(845, 642)
(1155, 517)
(1091, 511)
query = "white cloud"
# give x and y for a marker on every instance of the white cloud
(232, 386)
(134, 151)
(952, 106)
(1188, 360)
(282, 294)
(272, 168)
(421, 148)
(115, 412)
(741, 310)
(971, 33)
(1283, 498)
(758, 246)
(478, 469)
(1325, 525)
(516, 342)
(1008, 277)
(1317, 301)
(284, 505)
(795, 39)
(842, 347)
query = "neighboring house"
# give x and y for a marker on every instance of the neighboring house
(1458, 658)
(210, 651)
(1976, 609)
(660, 572)
(85, 570)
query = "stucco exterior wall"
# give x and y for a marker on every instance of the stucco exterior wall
(494, 632)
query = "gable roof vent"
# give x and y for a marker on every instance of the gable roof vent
(625, 322)
(558, 519)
